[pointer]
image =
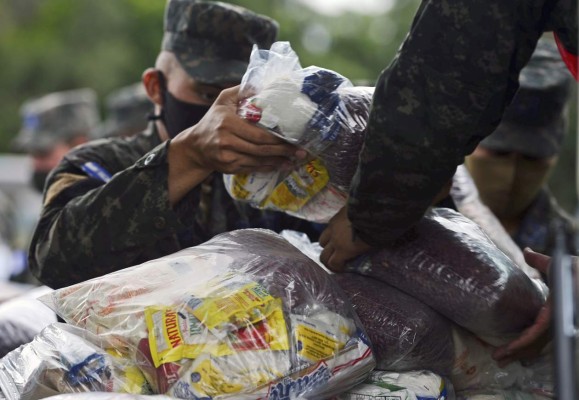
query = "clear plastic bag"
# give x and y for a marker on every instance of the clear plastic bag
(410, 385)
(449, 263)
(67, 359)
(313, 108)
(244, 315)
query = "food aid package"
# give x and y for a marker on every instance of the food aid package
(449, 263)
(405, 333)
(495, 394)
(66, 359)
(107, 396)
(245, 315)
(474, 368)
(465, 195)
(313, 108)
(410, 385)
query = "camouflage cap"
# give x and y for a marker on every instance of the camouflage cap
(213, 40)
(534, 124)
(56, 117)
(126, 112)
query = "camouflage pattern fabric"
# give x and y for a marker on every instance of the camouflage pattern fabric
(535, 122)
(536, 229)
(213, 40)
(445, 90)
(106, 208)
(55, 117)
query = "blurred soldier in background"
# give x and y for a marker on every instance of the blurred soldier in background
(127, 109)
(52, 125)
(123, 201)
(511, 166)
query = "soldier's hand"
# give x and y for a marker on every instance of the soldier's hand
(531, 342)
(339, 244)
(224, 142)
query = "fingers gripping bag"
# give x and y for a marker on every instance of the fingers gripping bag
(449, 263)
(66, 359)
(405, 333)
(313, 108)
(245, 315)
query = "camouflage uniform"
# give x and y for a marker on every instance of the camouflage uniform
(106, 206)
(127, 110)
(445, 90)
(534, 126)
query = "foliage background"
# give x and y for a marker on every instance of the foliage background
(52, 45)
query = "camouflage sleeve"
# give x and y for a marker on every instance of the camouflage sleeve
(445, 90)
(89, 228)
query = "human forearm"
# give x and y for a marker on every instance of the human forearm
(83, 235)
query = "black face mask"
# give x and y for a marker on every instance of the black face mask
(38, 179)
(178, 115)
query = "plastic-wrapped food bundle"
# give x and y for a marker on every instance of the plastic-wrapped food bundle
(311, 107)
(107, 396)
(244, 315)
(465, 195)
(405, 333)
(448, 262)
(475, 369)
(496, 394)
(411, 385)
(66, 359)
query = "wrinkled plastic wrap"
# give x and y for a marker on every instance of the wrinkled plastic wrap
(496, 394)
(245, 315)
(405, 333)
(66, 359)
(466, 197)
(22, 317)
(475, 369)
(411, 385)
(313, 108)
(107, 396)
(449, 263)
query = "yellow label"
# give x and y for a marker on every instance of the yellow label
(240, 307)
(177, 335)
(134, 381)
(212, 381)
(314, 345)
(238, 190)
(168, 343)
(299, 187)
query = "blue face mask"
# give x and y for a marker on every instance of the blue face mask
(178, 115)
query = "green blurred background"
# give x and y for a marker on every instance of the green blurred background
(52, 45)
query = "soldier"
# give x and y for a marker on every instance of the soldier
(119, 202)
(52, 125)
(445, 90)
(127, 109)
(510, 167)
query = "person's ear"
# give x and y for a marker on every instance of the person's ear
(152, 85)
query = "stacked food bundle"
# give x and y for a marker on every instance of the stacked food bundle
(245, 315)
(314, 108)
(441, 299)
